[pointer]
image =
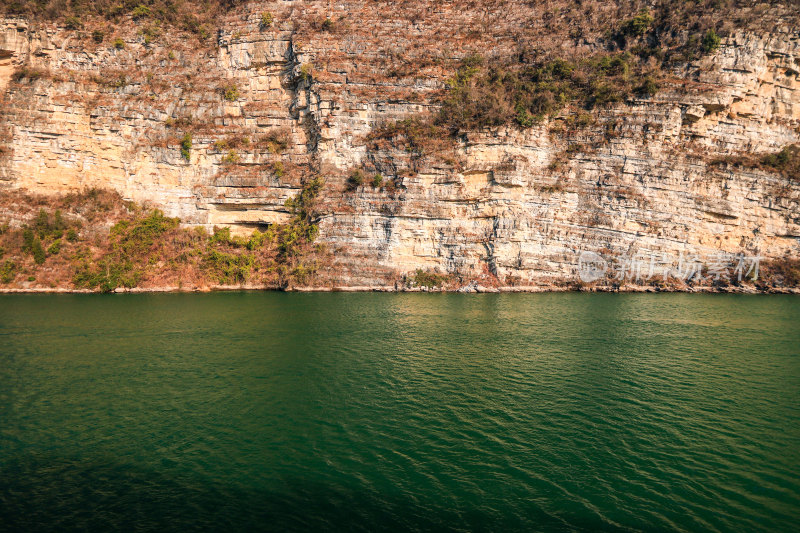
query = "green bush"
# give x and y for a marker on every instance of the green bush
(377, 180)
(46, 228)
(140, 11)
(258, 239)
(8, 271)
(355, 180)
(221, 235)
(614, 65)
(266, 20)
(603, 94)
(55, 247)
(37, 250)
(119, 44)
(107, 275)
(27, 239)
(231, 93)
(787, 161)
(126, 263)
(638, 25)
(649, 87)
(27, 73)
(133, 238)
(277, 168)
(231, 158)
(98, 36)
(306, 70)
(302, 228)
(422, 278)
(72, 235)
(73, 23)
(186, 146)
(523, 118)
(150, 33)
(711, 41)
(524, 93)
(228, 268)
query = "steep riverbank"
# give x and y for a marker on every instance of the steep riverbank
(473, 146)
(95, 241)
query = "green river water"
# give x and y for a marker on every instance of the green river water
(456, 412)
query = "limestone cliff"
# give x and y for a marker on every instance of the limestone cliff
(264, 107)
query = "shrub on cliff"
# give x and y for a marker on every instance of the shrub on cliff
(8, 271)
(228, 268)
(27, 239)
(131, 243)
(787, 161)
(140, 11)
(306, 71)
(49, 227)
(638, 25)
(176, 13)
(231, 93)
(416, 136)
(784, 271)
(711, 41)
(258, 239)
(231, 158)
(37, 250)
(302, 228)
(186, 146)
(55, 247)
(133, 237)
(648, 87)
(525, 93)
(73, 23)
(427, 278)
(276, 140)
(355, 180)
(24, 73)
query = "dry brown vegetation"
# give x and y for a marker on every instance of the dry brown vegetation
(786, 161)
(780, 272)
(195, 17)
(419, 140)
(524, 91)
(94, 240)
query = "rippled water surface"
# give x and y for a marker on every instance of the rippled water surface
(252, 411)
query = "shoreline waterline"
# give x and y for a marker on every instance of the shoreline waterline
(392, 289)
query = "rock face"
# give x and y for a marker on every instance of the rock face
(267, 106)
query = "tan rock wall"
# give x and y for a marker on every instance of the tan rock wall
(521, 205)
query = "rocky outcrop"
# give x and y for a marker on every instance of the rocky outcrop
(267, 106)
